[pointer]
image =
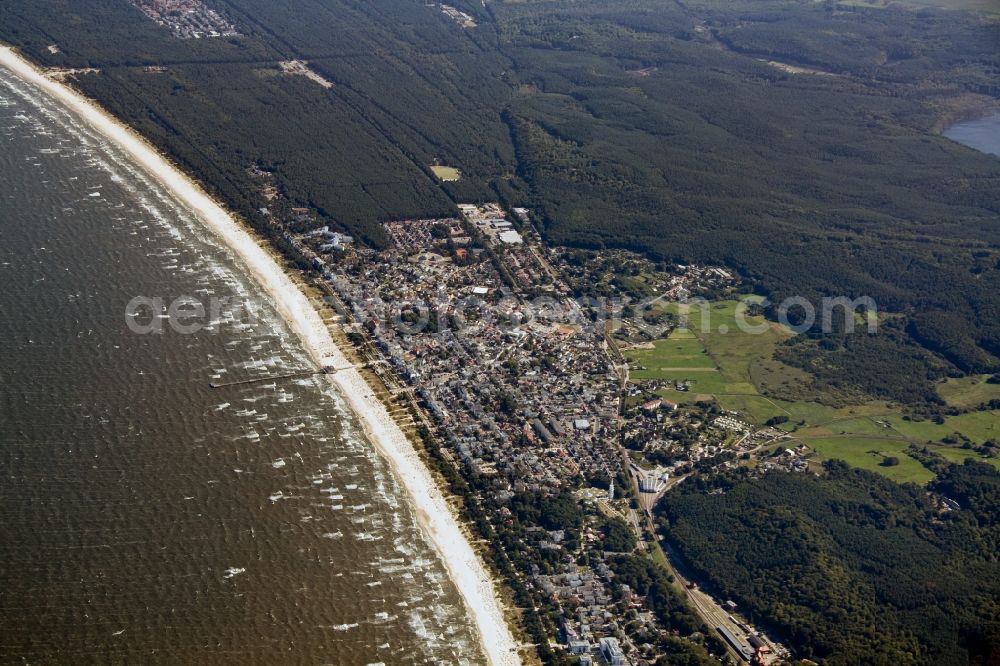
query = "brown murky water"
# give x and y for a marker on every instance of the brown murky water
(144, 516)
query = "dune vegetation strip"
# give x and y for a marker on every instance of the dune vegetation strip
(433, 513)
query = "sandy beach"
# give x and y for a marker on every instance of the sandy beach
(435, 516)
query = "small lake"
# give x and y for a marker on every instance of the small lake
(982, 134)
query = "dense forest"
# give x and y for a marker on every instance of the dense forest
(658, 127)
(795, 142)
(852, 568)
(357, 153)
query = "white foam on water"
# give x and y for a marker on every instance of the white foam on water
(432, 511)
(345, 627)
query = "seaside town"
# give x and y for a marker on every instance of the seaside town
(486, 337)
(187, 19)
(459, 17)
(561, 333)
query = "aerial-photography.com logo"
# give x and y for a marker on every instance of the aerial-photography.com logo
(188, 315)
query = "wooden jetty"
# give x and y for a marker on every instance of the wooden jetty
(270, 378)
(326, 370)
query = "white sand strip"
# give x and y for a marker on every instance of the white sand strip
(433, 512)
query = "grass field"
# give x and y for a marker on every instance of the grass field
(868, 453)
(968, 391)
(722, 361)
(728, 355)
(680, 350)
(958, 455)
(977, 426)
(802, 414)
(680, 357)
(880, 428)
(716, 352)
(446, 173)
(857, 426)
(986, 6)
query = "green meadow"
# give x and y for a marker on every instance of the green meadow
(984, 6)
(871, 453)
(726, 355)
(969, 391)
(713, 351)
(446, 173)
(977, 426)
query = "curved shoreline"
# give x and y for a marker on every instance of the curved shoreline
(433, 513)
